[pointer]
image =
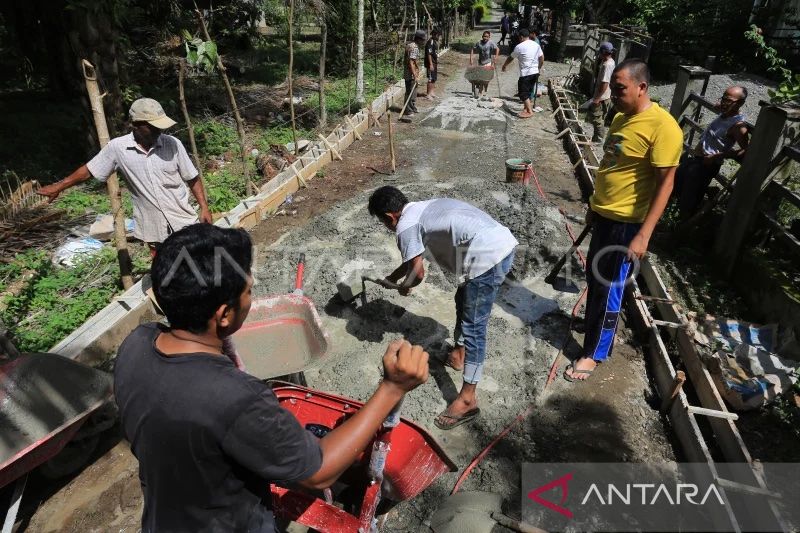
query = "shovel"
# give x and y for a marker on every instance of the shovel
(551, 277)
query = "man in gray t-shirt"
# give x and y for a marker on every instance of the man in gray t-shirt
(467, 243)
(487, 55)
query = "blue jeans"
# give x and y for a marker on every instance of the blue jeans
(474, 300)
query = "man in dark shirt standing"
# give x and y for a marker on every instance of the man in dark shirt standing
(432, 63)
(210, 438)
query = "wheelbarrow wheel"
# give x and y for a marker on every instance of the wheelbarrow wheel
(70, 459)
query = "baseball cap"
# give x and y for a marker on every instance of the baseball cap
(150, 111)
(606, 47)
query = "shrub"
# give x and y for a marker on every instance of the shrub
(214, 138)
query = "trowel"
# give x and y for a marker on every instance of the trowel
(351, 289)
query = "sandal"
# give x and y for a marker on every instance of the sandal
(576, 371)
(455, 421)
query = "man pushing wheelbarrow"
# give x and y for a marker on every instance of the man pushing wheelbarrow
(210, 438)
(481, 75)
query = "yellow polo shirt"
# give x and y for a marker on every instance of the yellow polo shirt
(635, 146)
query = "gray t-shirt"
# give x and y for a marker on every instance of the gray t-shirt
(459, 237)
(485, 51)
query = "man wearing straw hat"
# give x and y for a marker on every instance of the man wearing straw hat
(157, 170)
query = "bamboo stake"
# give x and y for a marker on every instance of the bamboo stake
(391, 140)
(239, 123)
(290, 21)
(323, 110)
(185, 109)
(112, 183)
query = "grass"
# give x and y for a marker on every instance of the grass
(57, 300)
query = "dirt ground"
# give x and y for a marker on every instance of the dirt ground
(609, 418)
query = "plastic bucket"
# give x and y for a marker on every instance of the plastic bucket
(518, 170)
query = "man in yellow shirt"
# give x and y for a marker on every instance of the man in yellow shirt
(632, 188)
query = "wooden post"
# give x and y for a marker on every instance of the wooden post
(391, 139)
(112, 183)
(360, 57)
(290, 22)
(185, 109)
(757, 170)
(687, 76)
(323, 48)
(239, 122)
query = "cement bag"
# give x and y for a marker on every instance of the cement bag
(68, 254)
(103, 227)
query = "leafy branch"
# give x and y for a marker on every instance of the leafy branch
(789, 88)
(200, 54)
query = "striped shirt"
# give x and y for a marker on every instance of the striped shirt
(156, 179)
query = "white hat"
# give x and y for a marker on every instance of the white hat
(150, 111)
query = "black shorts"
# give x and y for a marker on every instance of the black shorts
(433, 74)
(525, 86)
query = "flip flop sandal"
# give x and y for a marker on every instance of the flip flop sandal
(469, 416)
(575, 370)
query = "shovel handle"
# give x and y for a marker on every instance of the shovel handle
(553, 273)
(298, 280)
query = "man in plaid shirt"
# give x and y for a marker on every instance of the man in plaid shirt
(157, 170)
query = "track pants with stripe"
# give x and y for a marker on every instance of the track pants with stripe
(609, 269)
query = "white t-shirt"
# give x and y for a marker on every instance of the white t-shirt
(528, 54)
(605, 70)
(459, 237)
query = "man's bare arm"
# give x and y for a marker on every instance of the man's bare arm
(199, 192)
(664, 182)
(405, 367)
(52, 191)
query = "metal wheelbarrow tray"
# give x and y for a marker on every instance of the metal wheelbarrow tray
(281, 335)
(44, 400)
(414, 461)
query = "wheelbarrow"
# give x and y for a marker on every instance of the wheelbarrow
(282, 335)
(400, 462)
(45, 399)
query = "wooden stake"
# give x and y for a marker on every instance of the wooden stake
(323, 48)
(677, 385)
(352, 128)
(391, 139)
(290, 21)
(112, 183)
(185, 109)
(239, 122)
(330, 147)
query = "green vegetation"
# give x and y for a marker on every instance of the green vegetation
(225, 188)
(57, 300)
(90, 198)
(214, 138)
(789, 88)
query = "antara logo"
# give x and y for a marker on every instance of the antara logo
(560, 482)
(661, 493)
(636, 493)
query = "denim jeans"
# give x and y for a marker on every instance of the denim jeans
(474, 300)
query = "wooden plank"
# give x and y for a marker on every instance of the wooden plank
(712, 413)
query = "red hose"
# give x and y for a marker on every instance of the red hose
(498, 438)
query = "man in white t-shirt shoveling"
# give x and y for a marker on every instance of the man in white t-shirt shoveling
(531, 59)
(468, 243)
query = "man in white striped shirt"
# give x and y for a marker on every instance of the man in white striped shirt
(157, 170)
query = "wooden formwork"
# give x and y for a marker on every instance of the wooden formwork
(671, 324)
(577, 143)
(102, 333)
